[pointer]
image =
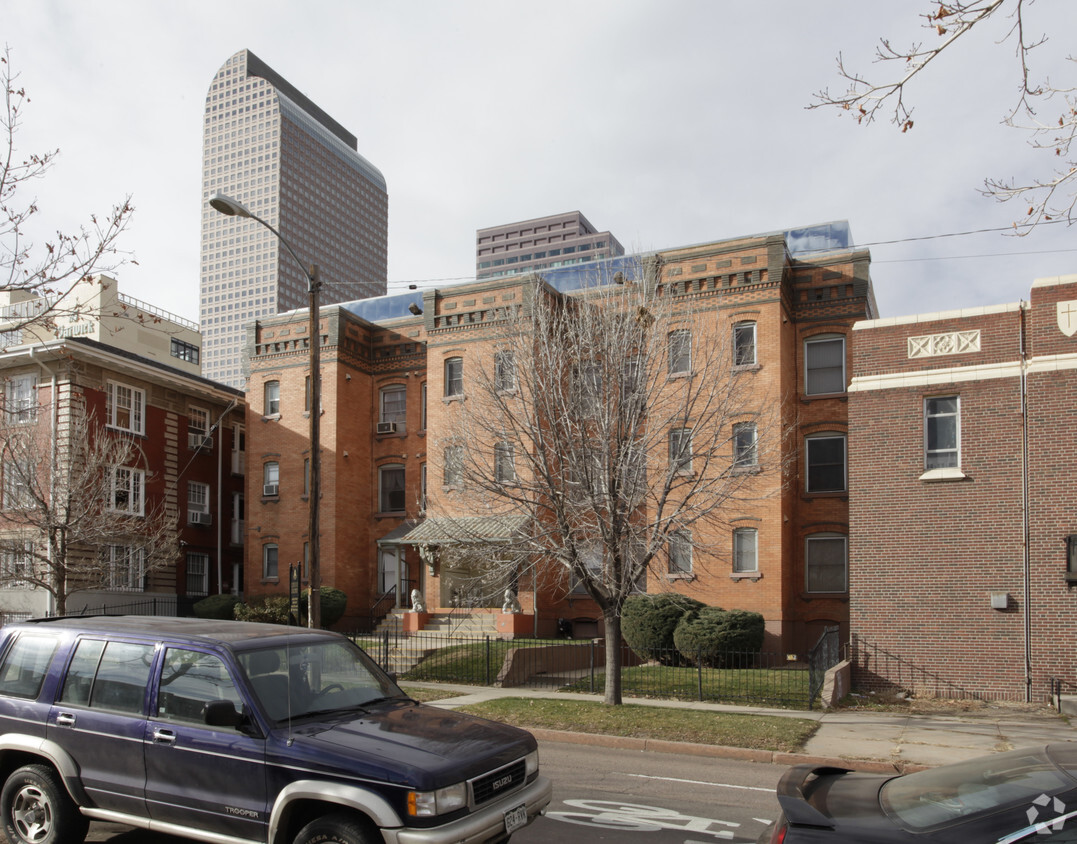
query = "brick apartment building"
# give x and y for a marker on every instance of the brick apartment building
(135, 369)
(963, 506)
(391, 372)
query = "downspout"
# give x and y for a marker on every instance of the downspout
(54, 422)
(1025, 500)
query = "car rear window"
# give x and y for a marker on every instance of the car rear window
(943, 795)
(25, 666)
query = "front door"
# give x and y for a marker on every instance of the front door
(210, 778)
(389, 572)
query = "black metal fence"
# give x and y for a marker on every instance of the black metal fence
(764, 679)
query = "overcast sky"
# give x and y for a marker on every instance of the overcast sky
(668, 123)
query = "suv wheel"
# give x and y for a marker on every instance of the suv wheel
(37, 809)
(340, 828)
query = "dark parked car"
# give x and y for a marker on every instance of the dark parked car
(1019, 796)
(232, 732)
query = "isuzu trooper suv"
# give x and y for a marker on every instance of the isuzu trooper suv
(229, 732)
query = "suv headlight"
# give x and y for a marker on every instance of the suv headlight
(531, 761)
(428, 804)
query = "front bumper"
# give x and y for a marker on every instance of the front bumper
(486, 824)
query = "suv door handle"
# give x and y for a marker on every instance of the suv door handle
(161, 736)
(65, 719)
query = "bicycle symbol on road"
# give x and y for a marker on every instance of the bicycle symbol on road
(631, 817)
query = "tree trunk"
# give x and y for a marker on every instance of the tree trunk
(612, 624)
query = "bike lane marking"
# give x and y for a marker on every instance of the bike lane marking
(633, 817)
(701, 782)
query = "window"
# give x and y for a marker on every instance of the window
(197, 427)
(504, 463)
(306, 476)
(745, 450)
(826, 563)
(454, 465)
(26, 665)
(115, 680)
(454, 377)
(590, 559)
(422, 409)
(942, 432)
(824, 366)
(271, 406)
(126, 568)
(745, 550)
(680, 352)
(391, 496)
(197, 503)
(187, 352)
(680, 552)
(20, 403)
(16, 564)
(589, 386)
(269, 562)
(128, 490)
(197, 573)
(18, 490)
(504, 371)
(271, 478)
(825, 458)
(125, 408)
(680, 449)
(393, 411)
(422, 487)
(190, 680)
(630, 380)
(744, 344)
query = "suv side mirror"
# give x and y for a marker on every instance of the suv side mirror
(221, 713)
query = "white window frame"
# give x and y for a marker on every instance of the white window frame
(453, 468)
(936, 458)
(454, 376)
(271, 475)
(505, 371)
(505, 463)
(17, 565)
(266, 549)
(680, 450)
(745, 351)
(745, 445)
(131, 482)
(826, 373)
(20, 399)
(197, 498)
(818, 439)
(393, 405)
(197, 573)
(126, 408)
(811, 564)
(126, 568)
(680, 351)
(16, 492)
(271, 398)
(745, 550)
(679, 548)
(197, 426)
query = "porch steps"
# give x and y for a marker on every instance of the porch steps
(439, 631)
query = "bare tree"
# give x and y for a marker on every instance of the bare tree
(39, 276)
(74, 511)
(614, 426)
(1044, 110)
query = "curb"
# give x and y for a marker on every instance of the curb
(743, 754)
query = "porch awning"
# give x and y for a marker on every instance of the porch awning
(465, 529)
(397, 534)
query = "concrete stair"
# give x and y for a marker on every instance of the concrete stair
(407, 650)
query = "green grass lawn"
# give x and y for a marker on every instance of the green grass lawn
(758, 732)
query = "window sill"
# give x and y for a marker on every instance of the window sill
(391, 514)
(747, 367)
(686, 576)
(395, 435)
(828, 493)
(842, 597)
(747, 470)
(450, 399)
(950, 473)
(684, 373)
(270, 580)
(271, 417)
(746, 575)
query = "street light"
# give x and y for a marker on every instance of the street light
(230, 207)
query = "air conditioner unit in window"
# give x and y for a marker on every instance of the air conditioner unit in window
(270, 489)
(195, 518)
(386, 427)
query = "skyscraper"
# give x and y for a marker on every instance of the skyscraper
(268, 146)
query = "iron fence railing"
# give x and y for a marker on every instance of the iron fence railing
(767, 679)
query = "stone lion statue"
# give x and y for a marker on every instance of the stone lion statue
(418, 603)
(511, 605)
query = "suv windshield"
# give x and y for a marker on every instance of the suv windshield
(294, 680)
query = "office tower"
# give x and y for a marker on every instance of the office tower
(546, 242)
(268, 146)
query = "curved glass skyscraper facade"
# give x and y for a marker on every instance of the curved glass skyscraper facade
(268, 146)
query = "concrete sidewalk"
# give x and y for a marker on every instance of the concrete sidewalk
(865, 740)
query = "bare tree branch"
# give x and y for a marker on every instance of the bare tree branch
(1050, 197)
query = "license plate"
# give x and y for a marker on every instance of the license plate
(515, 819)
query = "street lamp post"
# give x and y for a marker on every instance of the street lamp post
(230, 207)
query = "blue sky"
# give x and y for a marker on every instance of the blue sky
(668, 123)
